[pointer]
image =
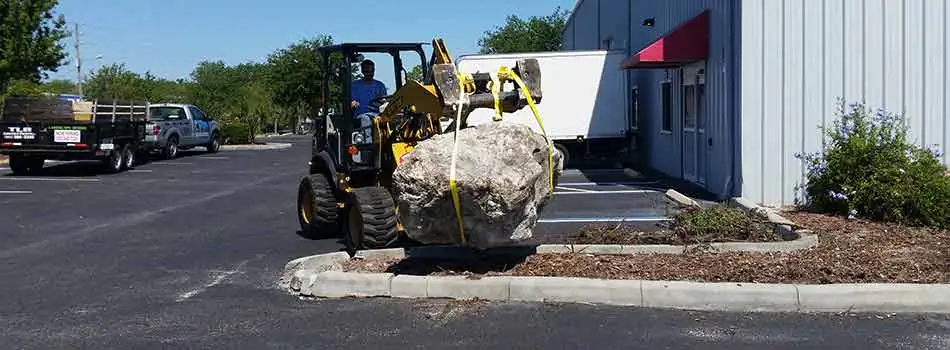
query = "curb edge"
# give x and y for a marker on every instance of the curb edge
(684, 295)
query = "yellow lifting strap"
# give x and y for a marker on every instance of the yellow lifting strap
(452, 185)
(504, 73)
(495, 87)
(507, 73)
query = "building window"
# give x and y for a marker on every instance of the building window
(666, 91)
(635, 108)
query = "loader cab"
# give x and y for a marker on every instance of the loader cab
(344, 136)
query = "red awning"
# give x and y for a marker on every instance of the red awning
(687, 43)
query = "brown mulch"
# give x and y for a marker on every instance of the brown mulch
(850, 251)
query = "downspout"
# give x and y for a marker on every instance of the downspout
(735, 77)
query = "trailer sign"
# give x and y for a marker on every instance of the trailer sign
(19, 133)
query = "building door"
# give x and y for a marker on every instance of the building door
(694, 120)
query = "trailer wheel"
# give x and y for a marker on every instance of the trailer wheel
(128, 157)
(25, 165)
(115, 161)
(371, 219)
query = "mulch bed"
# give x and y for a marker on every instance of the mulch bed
(850, 251)
(719, 224)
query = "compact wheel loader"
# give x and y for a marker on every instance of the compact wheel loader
(349, 189)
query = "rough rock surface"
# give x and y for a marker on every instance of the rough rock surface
(502, 178)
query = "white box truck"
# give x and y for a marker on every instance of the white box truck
(584, 99)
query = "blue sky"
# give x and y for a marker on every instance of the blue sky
(169, 37)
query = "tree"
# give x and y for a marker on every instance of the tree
(115, 81)
(296, 74)
(61, 86)
(415, 73)
(30, 37)
(535, 34)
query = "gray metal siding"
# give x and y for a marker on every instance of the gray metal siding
(585, 26)
(664, 150)
(567, 36)
(799, 57)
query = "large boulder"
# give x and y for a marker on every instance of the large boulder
(502, 179)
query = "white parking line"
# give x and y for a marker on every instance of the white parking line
(172, 163)
(16, 192)
(212, 157)
(605, 219)
(60, 179)
(140, 170)
(592, 171)
(577, 190)
(608, 183)
(606, 192)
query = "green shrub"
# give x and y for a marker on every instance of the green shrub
(869, 169)
(237, 133)
(720, 223)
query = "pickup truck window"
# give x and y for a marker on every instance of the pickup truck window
(163, 113)
(196, 113)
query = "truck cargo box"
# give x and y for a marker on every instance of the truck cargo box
(584, 106)
(53, 109)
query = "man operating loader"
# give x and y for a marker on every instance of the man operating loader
(365, 90)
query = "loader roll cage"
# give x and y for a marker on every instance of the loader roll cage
(340, 69)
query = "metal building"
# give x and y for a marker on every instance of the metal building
(726, 92)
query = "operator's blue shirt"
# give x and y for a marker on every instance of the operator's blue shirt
(364, 92)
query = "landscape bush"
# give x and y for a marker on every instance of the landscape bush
(237, 133)
(869, 169)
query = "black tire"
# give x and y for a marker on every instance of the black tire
(371, 219)
(215, 144)
(171, 148)
(129, 157)
(114, 162)
(22, 165)
(565, 154)
(317, 211)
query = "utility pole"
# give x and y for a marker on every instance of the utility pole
(78, 60)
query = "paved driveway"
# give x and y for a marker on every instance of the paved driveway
(185, 254)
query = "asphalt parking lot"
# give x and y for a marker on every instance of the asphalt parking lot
(185, 254)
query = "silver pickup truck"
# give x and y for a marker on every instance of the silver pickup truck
(172, 127)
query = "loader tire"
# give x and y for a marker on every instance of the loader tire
(316, 207)
(371, 219)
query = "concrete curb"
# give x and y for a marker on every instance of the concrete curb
(681, 199)
(784, 227)
(329, 282)
(264, 147)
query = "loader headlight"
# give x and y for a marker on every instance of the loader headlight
(358, 138)
(362, 136)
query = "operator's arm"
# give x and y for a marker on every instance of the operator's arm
(354, 100)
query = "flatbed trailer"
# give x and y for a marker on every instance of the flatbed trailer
(36, 129)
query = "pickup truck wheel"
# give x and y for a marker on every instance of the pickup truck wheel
(371, 219)
(171, 148)
(215, 144)
(316, 207)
